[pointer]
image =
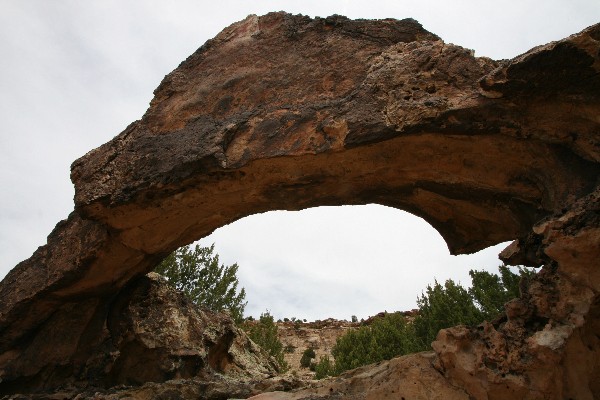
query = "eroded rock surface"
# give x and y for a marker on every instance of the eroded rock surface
(320, 336)
(287, 112)
(160, 335)
(408, 377)
(152, 333)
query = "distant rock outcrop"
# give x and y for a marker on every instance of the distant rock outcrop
(289, 112)
(320, 335)
(297, 336)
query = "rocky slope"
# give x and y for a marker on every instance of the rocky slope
(321, 336)
(318, 335)
(153, 333)
(288, 112)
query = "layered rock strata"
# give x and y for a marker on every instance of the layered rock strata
(288, 112)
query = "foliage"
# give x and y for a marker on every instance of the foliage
(290, 348)
(264, 333)
(449, 305)
(324, 368)
(197, 273)
(384, 339)
(490, 291)
(440, 306)
(307, 357)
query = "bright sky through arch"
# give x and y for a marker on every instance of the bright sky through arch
(340, 261)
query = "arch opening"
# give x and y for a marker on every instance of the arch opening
(339, 261)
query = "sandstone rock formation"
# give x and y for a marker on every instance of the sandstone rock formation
(287, 112)
(318, 335)
(153, 333)
(158, 335)
(409, 377)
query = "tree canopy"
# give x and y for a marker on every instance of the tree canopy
(196, 272)
(264, 333)
(440, 306)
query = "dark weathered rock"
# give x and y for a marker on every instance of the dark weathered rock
(151, 333)
(160, 335)
(287, 112)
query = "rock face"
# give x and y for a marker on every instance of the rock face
(408, 377)
(318, 335)
(152, 333)
(287, 112)
(321, 336)
(160, 335)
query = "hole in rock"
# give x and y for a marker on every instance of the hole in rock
(340, 261)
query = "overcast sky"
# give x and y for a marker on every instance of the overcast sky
(73, 74)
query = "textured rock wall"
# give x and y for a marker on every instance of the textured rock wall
(319, 336)
(287, 112)
(150, 333)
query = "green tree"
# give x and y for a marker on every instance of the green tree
(324, 368)
(490, 291)
(443, 306)
(196, 272)
(307, 357)
(384, 339)
(264, 333)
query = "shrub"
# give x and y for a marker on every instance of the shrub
(384, 339)
(324, 368)
(442, 307)
(307, 357)
(289, 349)
(264, 333)
(490, 291)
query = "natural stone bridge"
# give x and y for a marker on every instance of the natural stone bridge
(287, 112)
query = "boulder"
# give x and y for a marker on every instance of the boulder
(152, 333)
(408, 377)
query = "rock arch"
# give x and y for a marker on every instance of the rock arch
(288, 112)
